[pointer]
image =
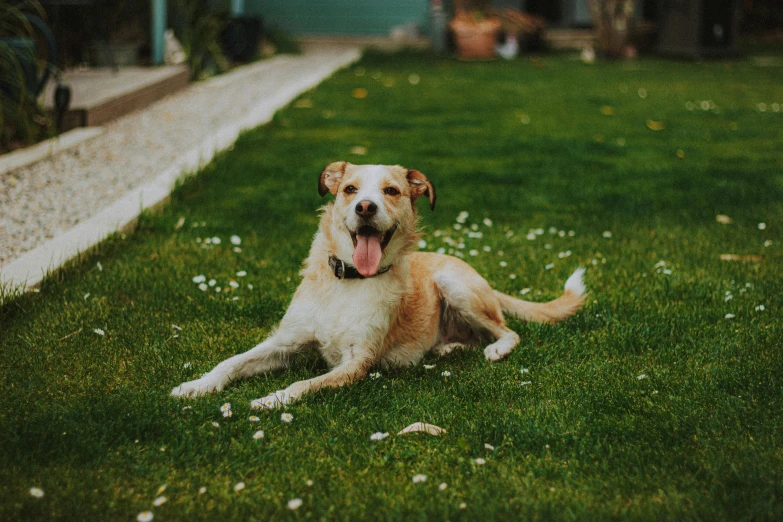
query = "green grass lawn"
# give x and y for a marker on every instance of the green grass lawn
(651, 403)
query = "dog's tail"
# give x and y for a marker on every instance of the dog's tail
(553, 311)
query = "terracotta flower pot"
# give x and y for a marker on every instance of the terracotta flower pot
(475, 39)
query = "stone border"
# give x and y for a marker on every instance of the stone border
(41, 151)
(27, 271)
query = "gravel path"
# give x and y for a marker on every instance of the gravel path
(43, 200)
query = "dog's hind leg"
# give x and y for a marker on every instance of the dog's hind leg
(271, 354)
(470, 299)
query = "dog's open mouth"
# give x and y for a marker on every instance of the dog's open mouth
(368, 246)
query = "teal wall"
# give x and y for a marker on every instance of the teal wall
(340, 17)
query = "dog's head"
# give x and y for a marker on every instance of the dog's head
(374, 219)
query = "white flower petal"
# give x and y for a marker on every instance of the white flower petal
(294, 503)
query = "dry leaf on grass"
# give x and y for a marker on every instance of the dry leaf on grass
(421, 426)
(738, 257)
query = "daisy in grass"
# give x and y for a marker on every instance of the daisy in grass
(446, 373)
(490, 447)
(258, 435)
(236, 240)
(202, 490)
(253, 418)
(159, 501)
(144, 516)
(442, 486)
(480, 461)
(419, 478)
(376, 375)
(239, 486)
(36, 492)
(378, 436)
(429, 366)
(294, 504)
(286, 417)
(226, 409)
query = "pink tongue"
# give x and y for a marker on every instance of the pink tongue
(367, 255)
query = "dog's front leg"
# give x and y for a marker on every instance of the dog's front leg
(345, 373)
(269, 355)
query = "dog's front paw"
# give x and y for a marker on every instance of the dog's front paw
(271, 401)
(197, 388)
(497, 351)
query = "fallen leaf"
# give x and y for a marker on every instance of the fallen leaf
(738, 257)
(655, 125)
(359, 93)
(421, 426)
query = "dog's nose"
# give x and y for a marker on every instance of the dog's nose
(366, 208)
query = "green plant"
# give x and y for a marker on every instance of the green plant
(200, 36)
(22, 119)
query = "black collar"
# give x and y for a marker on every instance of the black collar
(343, 271)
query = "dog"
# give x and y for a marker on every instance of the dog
(367, 299)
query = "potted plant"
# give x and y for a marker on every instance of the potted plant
(475, 31)
(22, 73)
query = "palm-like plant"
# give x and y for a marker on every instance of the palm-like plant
(22, 119)
(201, 38)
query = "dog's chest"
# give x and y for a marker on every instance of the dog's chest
(351, 317)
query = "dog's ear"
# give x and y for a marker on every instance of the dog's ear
(420, 185)
(330, 177)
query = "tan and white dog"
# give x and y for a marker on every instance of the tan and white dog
(367, 299)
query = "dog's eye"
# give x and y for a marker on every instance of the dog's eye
(350, 189)
(391, 191)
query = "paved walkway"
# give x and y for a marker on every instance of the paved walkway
(53, 209)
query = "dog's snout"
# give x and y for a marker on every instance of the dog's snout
(366, 208)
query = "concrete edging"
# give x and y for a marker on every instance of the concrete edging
(27, 271)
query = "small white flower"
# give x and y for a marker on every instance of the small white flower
(215, 424)
(225, 407)
(202, 287)
(525, 291)
(503, 264)
(236, 240)
(249, 287)
(457, 226)
(414, 79)
(36, 492)
(258, 435)
(547, 246)
(159, 501)
(237, 250)
(526, 383)
(487, 248)
(462, 505)
(376, 375)
(571, 233)
(212, 282)
(378, 436)
(199, 279)
(422, 243)
(228, 413)
(667, 271)
(86, 296)
(187, 365)
(144, 516)
(419, 478)
(100, 266)
(768, 243)
(309, 482)
(490, 447)
(241, 273)
(509, 234)
(607, 234)
(550, 266)
(215, 240)
(762, 107)
(487, 222)
(640, 377)
(512, 276)
(728, 298)
(161, 489)
(480, 461)
(202, 490)
(446, 373)
(239, 486)
(561, 233)
(531, 236)
(524, 371)
(729, 316)
(286, 417)
(253, 418)
(441, 251)
(218, 289)
(473, 252)
(760, 308)
(429, 366)
(294, 504)
(442, 486)
(99, 331)
(762, 226)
